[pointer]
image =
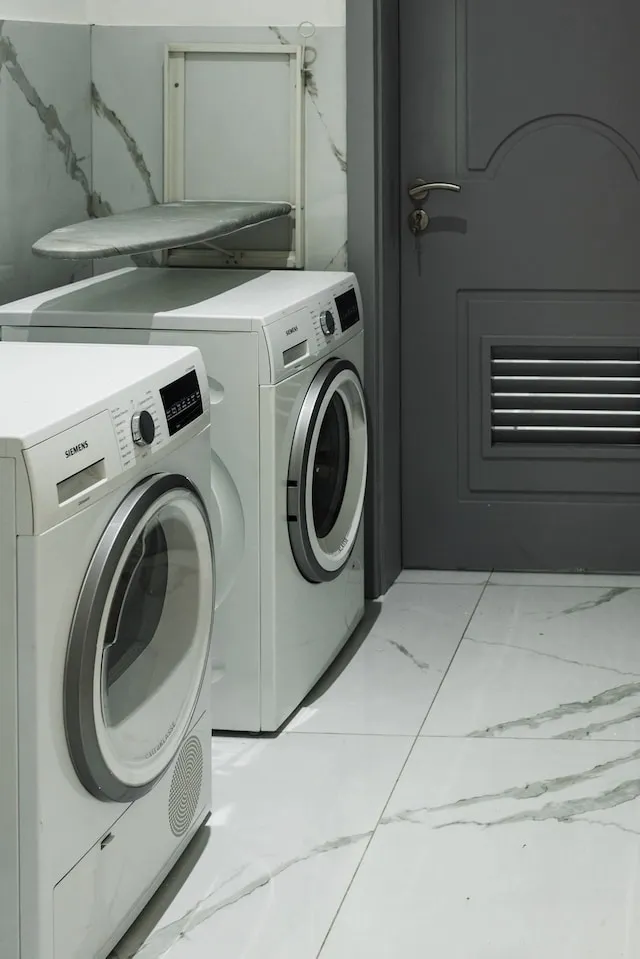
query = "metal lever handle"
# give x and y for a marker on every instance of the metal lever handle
(420, 189)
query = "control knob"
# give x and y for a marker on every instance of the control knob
(328, 323)
(143, 429)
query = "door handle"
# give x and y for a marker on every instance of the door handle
(419, 190)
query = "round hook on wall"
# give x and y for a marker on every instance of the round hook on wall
(307, 29)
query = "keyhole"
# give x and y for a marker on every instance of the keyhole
(418, 221)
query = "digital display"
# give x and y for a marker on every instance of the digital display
(182, 402)
(348, 311)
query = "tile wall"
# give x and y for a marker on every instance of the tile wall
(128, 121)
(45, 147)
(81, 134)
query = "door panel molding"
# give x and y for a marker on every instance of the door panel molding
(542, 124)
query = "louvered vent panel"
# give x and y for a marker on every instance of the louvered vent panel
(565, 397)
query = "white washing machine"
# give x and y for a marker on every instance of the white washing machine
(106, 592)
(284, 356)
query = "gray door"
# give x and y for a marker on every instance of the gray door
(521, 307)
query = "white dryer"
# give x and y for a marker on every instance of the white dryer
(106, 592)
(284, 356)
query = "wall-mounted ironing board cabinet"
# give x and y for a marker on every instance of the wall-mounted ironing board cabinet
(233, 166)
(234, 130)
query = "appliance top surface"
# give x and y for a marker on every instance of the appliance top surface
(43, 384)
(241, 297)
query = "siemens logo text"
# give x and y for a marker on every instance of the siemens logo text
(78, 448)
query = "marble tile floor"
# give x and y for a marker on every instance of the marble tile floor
(464, 783)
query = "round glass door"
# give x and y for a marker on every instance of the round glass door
(330, 467)
(139, 644)
(328, 472)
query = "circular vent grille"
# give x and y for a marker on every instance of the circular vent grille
(186, 785)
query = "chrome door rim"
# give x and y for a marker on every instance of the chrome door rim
(81, 729)
(316, 562)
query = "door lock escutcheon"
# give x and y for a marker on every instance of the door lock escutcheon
(418, 221)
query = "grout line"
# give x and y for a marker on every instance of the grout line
(397, 779)
(462, 738)
(402, 582)
(446, 672)
(526, 739)
(615, 581)
(619, 582)
(332, 732)
(459, 736)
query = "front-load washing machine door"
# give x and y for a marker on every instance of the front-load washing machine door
(139, 644)
(328, 472)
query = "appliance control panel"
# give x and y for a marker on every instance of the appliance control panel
(70, 469)
(138, 427)
(299, 338)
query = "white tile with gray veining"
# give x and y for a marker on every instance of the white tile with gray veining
(389, 673)
(128, 120)
(545, 662)
(486, 836)
(45, 147)
(292, 817)
(495, 848)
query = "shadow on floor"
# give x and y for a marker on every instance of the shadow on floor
(151, 915)
(344, 657)
(328, 678)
